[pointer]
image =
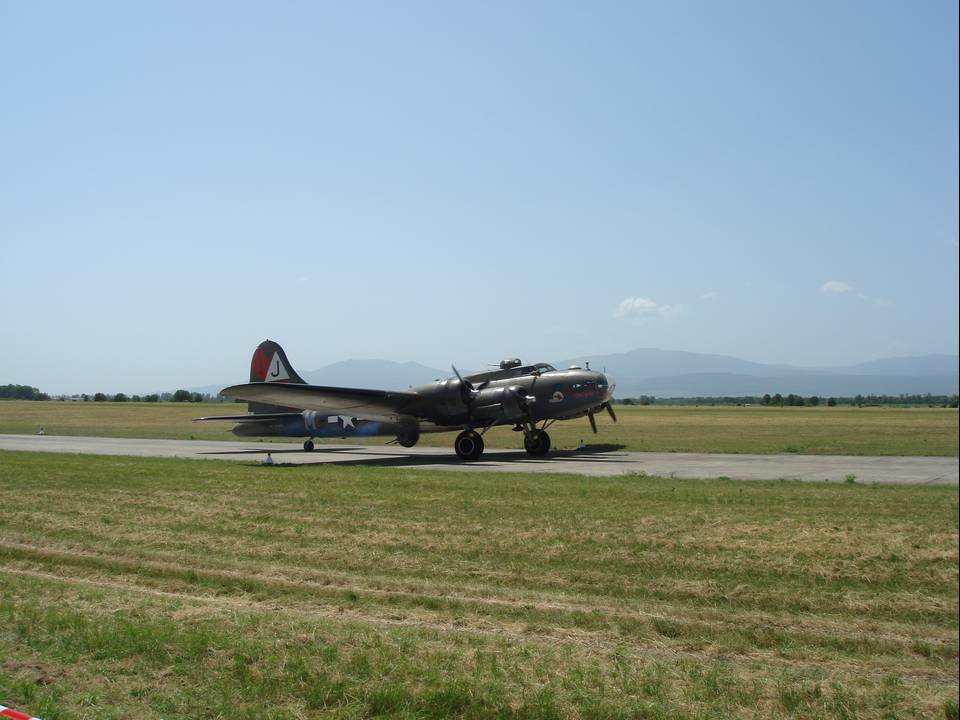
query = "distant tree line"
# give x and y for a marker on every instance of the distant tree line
(792, 400)
(21, 392)
(26, 392)
(178, 396)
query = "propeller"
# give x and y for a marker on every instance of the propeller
(593, 420)
(467, 391)
(523, 400)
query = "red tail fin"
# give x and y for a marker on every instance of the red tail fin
(270, 364)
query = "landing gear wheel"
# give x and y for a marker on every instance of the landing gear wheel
(537, 443)
(308, 446)
(408, 439)
(468, 445)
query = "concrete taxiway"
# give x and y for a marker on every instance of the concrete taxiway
(598, 460)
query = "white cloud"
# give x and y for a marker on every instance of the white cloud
(835, 286)
(838, 287)
(638, 308)
(710, 295)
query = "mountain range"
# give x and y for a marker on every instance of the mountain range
(673, 373)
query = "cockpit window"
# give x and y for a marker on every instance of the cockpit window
(544, 367)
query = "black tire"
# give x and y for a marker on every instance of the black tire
(468, 445)
(537, 444)
(408, 439)
(308, 446)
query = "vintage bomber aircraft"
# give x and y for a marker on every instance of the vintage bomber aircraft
(529, 397)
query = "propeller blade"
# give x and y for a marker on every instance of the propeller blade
(593, 422)
(468, 392)
(613, 415)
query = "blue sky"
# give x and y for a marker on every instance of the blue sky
(462, 182)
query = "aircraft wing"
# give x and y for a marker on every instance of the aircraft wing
(250, 417)
(369, 404)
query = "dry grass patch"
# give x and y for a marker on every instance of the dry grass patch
(163, 588)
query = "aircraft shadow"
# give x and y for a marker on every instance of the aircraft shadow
(292, 451)
(600, 453)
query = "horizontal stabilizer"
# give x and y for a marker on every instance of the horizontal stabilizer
(250, 417)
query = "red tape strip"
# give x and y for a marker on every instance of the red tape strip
(15, 714)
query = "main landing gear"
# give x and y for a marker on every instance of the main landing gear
(408, 438)
(535, 439)
(468, 445)
(308, 445)
(536, 442)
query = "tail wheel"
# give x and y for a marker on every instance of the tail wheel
(468, 445)
(537, 443)
(308, 446)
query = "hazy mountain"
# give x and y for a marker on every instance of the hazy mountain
(825, 385)
(649, 362)
(377, 374)
(671, 373)
(920, 365)
(206, 389)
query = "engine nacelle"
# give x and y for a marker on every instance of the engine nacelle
(503, 403)
(449, 395)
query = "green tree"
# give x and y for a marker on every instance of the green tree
(831, 402)
(181, 396)
(153, 397)
(99, 397)
(22, 392)
(196, 397)
(120, 397)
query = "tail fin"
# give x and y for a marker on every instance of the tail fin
(270, 364)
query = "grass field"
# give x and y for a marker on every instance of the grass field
(152, 588)
(821, 430)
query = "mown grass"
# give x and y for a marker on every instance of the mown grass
(819, 430)
(136, 587)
